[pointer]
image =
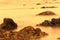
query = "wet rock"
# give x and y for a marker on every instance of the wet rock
(30, 33)
(54, 22)
(49, 7)
(46, 13)
(43, 7)
(38, 32)
(45, 23)
(8, 24)
(44, 33)
(27, 33)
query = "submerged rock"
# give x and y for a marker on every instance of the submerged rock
(53, 22)
(46, 13)
(8, 24)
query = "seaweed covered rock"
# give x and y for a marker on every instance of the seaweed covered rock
(8, 24)
(46, 13)
(27, 33)
(53, 22)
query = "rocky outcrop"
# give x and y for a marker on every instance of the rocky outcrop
(29, 33)
(53, 22)
(8, 24)
(45, 23)
(46, 13)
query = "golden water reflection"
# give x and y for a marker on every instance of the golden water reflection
(26, 17)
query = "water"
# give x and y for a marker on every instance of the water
(26, 17)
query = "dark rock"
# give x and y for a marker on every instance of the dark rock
(37, 31)
(53, 22)
(43, 7)
(27, 33)
(46, 13)
(58, 38)
(49, 7)
(45, 23)
(44, 33)
(8, 24)
(30, 33)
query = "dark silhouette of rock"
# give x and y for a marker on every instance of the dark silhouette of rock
(46, 13)
(53, 22)
(44, 33)
(49, 7)
(8, 24)
(43, 7)
(37, 32)
(45, 23)
(27, 33)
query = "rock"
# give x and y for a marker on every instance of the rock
(49, 7)
(46, 13)
(58, 38)
(45, 23)
(30, 33)
(27, 33)
(37, 32)
(44, 33)
(38, 4)
(54, 22)
(8, 24)
(43, 7)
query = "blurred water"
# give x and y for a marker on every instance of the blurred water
(27, 17)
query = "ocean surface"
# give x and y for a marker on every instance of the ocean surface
(27, 17)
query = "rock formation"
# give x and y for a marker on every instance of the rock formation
(53, 22)
(31, 33)
(49, 7)
(27, 33)
(46, 13)
(8, 24)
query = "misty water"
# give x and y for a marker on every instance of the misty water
(27, 17)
